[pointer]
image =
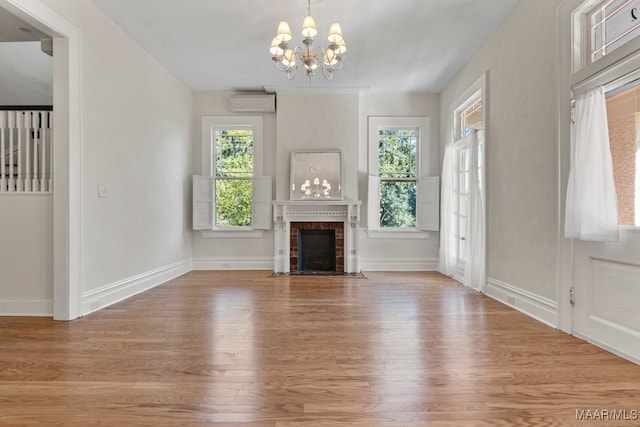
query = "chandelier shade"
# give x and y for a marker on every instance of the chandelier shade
(311, 57)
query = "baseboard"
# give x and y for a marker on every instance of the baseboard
(540, 308)
(400, 264)
(115, 292)
(32, 308)
(609, 348)
(219, 263)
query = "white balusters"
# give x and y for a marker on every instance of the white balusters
(11, 127)
(26, 151)
(3, 151)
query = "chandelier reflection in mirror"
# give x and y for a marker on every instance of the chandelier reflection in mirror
(315, 190)
(327, 60)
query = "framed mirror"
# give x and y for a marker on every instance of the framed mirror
(316, 175)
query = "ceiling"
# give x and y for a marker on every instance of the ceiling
(406, 46)
(14, 29)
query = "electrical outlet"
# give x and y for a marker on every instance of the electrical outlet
(103, 191)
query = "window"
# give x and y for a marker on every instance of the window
(471, 116)
(612, 24)
(233, 173)
(623, 117)
(463, 214)
(401, 196)
(231, 195)
(398, 173)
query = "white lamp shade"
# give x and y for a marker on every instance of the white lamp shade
(342, 47)
(275, 48)
(309, 29)
(335, 33)
(284, 32)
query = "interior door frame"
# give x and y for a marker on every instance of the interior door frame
(67, 207)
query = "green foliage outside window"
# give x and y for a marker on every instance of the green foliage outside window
(233, 202)
(397, 165)
(234, 170)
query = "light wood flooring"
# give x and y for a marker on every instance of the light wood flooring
(248, 349)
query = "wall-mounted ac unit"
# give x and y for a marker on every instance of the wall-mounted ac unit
(252, 103)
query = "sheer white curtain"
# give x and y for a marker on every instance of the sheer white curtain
(592, 204)
(448, 262)
(474, 269)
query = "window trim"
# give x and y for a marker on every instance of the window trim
(209, 125)
(422, 126)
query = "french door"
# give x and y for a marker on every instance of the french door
(606, 275)
(462, 163)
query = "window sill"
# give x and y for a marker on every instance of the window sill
(234, 234)
(398, 234)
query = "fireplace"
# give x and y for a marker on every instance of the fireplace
(336, 217)
(316, 247)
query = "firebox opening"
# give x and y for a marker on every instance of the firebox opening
(316, 250)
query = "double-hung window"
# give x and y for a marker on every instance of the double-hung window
(402, 197)
(231, 195)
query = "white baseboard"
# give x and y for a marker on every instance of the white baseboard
(400, 264)
(115, 292)
(219, 263)
(540, 308)
(609, 348)
(34, 308)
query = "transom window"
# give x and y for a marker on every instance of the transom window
(612, 24)
(471, 118)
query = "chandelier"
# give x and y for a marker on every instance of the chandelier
(312, 58)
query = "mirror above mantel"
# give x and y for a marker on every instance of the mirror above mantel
(315, 175)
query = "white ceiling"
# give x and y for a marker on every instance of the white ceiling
(409, 46)
(14, 29)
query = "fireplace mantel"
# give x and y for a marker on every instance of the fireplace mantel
(287, 211)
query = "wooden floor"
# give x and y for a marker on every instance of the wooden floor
(248, 349)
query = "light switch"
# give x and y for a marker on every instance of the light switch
(103, 191)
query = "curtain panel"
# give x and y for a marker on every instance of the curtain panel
(592, 204)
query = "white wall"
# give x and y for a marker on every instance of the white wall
(220, 252)
(26, 259)
(521, 147)
(308, 121)
(403, 254)
(26, 74)
(136, 140)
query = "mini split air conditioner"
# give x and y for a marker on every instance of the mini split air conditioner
(252, 103)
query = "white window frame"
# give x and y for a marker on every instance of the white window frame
(476, 92)
(261, 186)
(582, 67)
(605, 71)
(428, 188)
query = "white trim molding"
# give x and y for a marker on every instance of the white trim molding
(400, 264)
(609, 348)
(112, 293)
(540, 308)
(221, 263)
(35, 308)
